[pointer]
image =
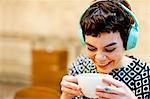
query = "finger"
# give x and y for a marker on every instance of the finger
(71, 92)
(110, 90)
(70, 85)
(102, 98)
(112, 81)
(105, 89)
(106, 95)
(70, 78)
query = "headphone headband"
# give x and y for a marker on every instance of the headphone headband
(124, 7)
(132, 14)
(133, 31)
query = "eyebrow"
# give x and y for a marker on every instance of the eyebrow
(111, 44)
(89, 44)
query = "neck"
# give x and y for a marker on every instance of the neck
(125, 61)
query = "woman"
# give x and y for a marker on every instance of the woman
(106, 28)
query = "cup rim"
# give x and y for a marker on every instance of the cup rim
(87, 74)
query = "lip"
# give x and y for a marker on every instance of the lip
(104, 66)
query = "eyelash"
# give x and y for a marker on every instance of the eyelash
(110, 50)
(107, 50)
(92, 49)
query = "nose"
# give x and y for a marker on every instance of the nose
(100, 57)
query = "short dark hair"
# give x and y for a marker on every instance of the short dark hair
(107, 16)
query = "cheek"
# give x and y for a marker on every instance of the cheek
(90, 53)
(116, 56)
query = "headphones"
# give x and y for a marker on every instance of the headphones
(133, 30)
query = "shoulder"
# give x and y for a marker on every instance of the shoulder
(131, 70)
(138, 66)
(138, 63)
(81, 64)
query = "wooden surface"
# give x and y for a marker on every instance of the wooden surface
(36, 93)
(48, 67)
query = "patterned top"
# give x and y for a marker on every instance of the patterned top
(136, 75)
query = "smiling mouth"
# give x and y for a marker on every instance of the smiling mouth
(104, 65)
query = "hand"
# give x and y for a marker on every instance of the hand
(118, 90)
(70, 87)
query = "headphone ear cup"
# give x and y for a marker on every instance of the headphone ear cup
(80, 33)
(132, 38)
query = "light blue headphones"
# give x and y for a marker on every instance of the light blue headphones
(133, 31)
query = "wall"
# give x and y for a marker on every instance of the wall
(141, 9)
(40, 17)
(15, 60)
(25, 24)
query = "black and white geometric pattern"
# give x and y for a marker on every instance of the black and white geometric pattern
(136, 75)
(82, 65)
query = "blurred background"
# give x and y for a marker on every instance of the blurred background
(38, 40)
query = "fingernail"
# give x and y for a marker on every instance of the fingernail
(107, 89)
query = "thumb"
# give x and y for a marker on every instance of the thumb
(112, 81)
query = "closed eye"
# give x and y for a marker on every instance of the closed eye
(92, 48)
(109, 49)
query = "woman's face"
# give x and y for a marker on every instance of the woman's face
(106, 51)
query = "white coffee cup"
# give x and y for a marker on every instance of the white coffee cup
(88, 83)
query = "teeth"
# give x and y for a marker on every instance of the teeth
(102, 64)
